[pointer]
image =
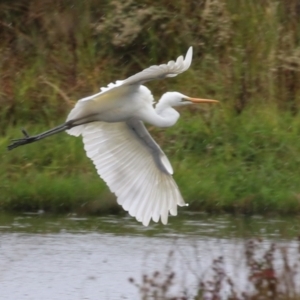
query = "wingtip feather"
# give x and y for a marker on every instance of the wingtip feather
(188, 58)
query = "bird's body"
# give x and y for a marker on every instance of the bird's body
(116, 140)
(125, 103)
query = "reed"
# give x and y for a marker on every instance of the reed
(272, 273)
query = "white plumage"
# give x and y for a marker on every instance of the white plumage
(129, 169)
(127, 158)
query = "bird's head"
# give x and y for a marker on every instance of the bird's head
(178, 99)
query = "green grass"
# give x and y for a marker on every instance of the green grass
(54, 176)
(241, 156)
(246, 164)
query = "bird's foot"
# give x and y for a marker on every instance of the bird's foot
(19, 142)
(25, 133)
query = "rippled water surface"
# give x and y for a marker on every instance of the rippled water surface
(70, 257)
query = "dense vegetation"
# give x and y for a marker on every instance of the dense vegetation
(241, 156)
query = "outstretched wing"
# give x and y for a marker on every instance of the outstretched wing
(134, 167)
(122, 87)
(171, 69)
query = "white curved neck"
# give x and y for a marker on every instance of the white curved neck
(162, 116)
(167, 113)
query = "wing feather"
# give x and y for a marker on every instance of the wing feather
(142, 213)
(170, 69)
(140, 206)
(127, 159)
(123, 87)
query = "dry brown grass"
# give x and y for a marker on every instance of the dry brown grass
(246, 52)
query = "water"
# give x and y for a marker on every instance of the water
(68, 257)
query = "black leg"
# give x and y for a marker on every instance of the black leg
(30, 139)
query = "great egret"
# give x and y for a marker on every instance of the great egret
(125, 155)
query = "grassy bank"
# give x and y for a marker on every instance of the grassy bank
(240, 157)
(248, 163)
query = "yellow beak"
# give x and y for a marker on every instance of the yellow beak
(198, 100)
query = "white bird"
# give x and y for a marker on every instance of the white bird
(125, 155)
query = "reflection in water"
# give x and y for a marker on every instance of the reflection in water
(44, 257)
